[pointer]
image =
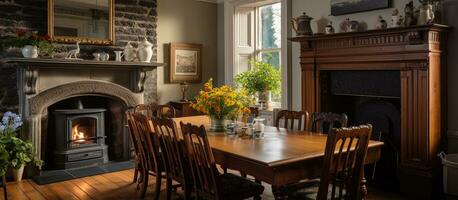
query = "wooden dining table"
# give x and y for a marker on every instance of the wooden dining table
(279, 158)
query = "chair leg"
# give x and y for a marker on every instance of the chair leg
(224, 169)
(157, 190)
(5, 193)
(135, 173)
(145, 178)
(243, 174)
(169, 189)
(187, 192)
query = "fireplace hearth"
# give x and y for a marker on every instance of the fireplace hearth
(80, 138)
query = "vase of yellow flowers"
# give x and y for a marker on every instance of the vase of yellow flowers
(221, 103)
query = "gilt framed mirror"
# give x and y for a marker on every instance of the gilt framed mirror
(86, 21)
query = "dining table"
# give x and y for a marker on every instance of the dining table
(279, 158)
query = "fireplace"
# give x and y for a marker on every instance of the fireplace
(80, 138)
(369, 97)
(413, 61)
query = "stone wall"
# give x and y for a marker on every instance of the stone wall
(134, 20)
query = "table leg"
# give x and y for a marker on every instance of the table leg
(5, 193)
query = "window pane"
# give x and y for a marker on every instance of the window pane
(271, 26)
(272, 58)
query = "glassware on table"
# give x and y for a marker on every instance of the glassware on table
(258, 127)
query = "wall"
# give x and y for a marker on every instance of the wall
(187, 21)
(134, 19)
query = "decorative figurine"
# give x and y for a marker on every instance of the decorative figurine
(329, 29)
(345, 26)
(104, 56)
(145, 51)
(301, 25)
(73, 54)
(426, 13)
(409, 13)
(96, 56)
(396, 19)
(381, 23)
(184, 87)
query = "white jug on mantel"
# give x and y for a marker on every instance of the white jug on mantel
(145, 51)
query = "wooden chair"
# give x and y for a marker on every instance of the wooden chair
(155, 110)
(208, 182)
(175, 162)
(149, 154)
(343, 165)
(291, 117)
(152, 110)
(321, 121)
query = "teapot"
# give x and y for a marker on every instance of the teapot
(130, 53)
(301, 25)
(145, 51)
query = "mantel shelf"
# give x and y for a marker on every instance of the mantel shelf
(369, 32)
(38, 62)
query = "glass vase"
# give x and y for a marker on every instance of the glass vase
(217, 124)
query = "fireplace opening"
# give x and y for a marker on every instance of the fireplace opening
(84, 131)
(369, 97)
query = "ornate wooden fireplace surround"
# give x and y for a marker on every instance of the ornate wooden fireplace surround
(419, 54)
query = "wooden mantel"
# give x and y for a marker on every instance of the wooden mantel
(418, 52)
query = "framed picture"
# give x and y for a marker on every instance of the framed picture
(185, 62)
(342, 7)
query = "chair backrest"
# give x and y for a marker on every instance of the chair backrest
(292, 120)
(172, 148)
(343, 163)
(146, 141)
(155, 110)
(325, 122)
(203, 165)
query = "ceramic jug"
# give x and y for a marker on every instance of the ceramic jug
(145, 51)
(130, 53)
(301, 25)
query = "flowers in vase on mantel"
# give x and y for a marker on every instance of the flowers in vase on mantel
(17, 152)
(222, 103)
(31, 42)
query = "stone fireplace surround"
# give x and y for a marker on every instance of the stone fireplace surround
(44, 82)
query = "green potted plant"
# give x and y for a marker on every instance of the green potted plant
(262, 80)
(31, 43)
(20, 152)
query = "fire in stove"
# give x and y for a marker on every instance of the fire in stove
(78, 136)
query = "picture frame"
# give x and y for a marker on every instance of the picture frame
(185, 63)
(343, 7)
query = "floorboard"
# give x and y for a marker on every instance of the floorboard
(116, 185)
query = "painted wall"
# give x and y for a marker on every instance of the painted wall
(191, 22)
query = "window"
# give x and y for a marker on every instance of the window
(257, 35)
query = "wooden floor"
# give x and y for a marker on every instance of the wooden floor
(117, 185)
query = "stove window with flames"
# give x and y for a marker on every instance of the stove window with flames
(80, 138)
(84, 132)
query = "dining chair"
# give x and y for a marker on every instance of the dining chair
(150, 157)
(343, 165)
(156, 110)
(208, 182)
(139, 158)
(292, 120)
(324, 122)
(175, 162)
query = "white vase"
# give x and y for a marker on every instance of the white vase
(29, 51)
(145, 51)
(17, 173)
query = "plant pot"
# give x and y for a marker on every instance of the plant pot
(17, 173)
(217, 124)
(265, 100)
(29, 51)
